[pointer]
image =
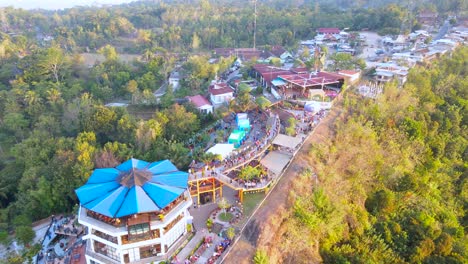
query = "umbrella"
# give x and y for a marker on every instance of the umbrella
(133, 187)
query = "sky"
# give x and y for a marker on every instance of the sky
(56, 4)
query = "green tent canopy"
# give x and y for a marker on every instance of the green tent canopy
(236, 138)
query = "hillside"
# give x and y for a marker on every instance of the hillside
(392, 179)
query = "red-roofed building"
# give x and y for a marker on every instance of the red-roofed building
(323, 31)
(268, 73)
(351, 76)
(220, 93)
(296, 81)
(245, 54)
(428, 17)
(201, 104)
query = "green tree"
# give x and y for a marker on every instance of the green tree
(85, 148)
(223, 204)
(262, 102)
(53, 62)
(25, 234)
(109, 53)
(146, 133)
(380, 201)
(195, 42)
(249, 173)
(230, 233)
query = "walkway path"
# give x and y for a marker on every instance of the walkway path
(185, 252)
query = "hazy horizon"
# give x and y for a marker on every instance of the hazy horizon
(57, 4)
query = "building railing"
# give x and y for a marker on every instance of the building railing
(103, 252)
(153, 216)
(105, 236)
(173, 223)
(153, 234)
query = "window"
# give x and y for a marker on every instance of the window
(139, 229)
(173, 223)
(151, 251)
(106, 250)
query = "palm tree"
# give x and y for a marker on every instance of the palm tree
(53, 95)
(230, 233)
(261, 257)
(31, 98)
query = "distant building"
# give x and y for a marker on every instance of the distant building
(282, 53)
(351, 76)
(244, 54)
(220, 93)
(262, 55)
(174, 80)
(201, 104)
(296, 81)
(134, 213)
(385, 72)
(427, 17)
(324, 31)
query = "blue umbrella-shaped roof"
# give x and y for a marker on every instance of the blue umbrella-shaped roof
(133, 187)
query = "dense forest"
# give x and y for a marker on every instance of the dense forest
(54, 128)
(181, 26)
(392, 182)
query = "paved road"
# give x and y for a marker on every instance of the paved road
(443, 30)
(161, 91)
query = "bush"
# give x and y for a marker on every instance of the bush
(261, 257)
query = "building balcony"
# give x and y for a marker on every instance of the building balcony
(157, 219)
(128, 239)
(100, 256)
(105, 236)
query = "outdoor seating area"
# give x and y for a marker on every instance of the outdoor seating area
(68, 227)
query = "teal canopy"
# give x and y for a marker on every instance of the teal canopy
(243, 124)
(236, 137)
(133, 187)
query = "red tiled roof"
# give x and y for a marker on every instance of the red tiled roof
(220, 88)
(329, 30)
(306, 80)
(270, 73)
(277, 50)
(300, 70)
(198, 101)
(428, 14)
(348, 72)
(244, 53)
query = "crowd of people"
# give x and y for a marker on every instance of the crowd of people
(251, 151)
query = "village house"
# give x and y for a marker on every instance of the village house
(427, 17)
(387, 71)
(201, 103)
(351, 76)
(261, 55)
(220, 93)
(174, 80)
(282, 53)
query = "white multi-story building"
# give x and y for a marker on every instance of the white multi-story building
(134, 213)
(385, 72)
(220, 93)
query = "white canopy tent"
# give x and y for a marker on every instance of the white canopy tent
(221, 149)
(287, 141)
